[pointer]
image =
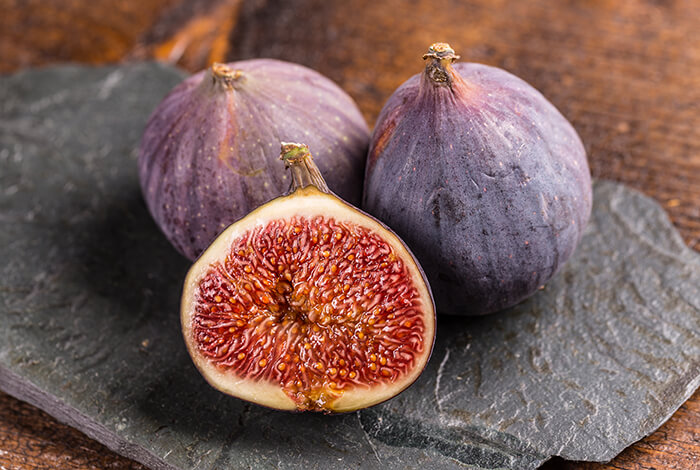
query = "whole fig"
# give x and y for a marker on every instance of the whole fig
(483, 178)
(207, 159)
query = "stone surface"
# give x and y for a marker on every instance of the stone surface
(89, 297)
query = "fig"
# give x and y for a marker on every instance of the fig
(482, 177)
(307, 303)
(206, 156)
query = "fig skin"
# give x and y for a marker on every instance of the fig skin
(310, 197)
(484, 179)
(206, 157)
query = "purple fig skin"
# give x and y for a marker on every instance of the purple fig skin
(209, 154)
(483, 178)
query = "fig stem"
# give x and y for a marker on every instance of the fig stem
(439, 69)
(297, 157)
(224, 74)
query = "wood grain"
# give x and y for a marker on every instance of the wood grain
(191, 33)
(32, 440)
(627, 74)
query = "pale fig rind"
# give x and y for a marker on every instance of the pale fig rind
(483, 178)
(208, 157)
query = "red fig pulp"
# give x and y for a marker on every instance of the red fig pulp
(483, 178)
(309, 304)
(207, 158)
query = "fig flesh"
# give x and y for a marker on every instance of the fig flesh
(483, 178)
(206, 157)
(308, 304)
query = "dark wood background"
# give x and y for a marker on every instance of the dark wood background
(626, 73)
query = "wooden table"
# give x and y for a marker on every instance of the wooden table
(627, 74)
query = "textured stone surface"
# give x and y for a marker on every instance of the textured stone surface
(89, 296)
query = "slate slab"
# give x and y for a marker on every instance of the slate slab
(89, 331)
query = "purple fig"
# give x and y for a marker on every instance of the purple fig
(207, 152)
(482, 177)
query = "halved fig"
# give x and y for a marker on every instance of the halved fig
(307, 303)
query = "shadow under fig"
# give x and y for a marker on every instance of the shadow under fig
(191, 411)
(125, 258)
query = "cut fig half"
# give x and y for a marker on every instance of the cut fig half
(307, 303)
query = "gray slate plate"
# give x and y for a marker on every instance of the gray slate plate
(90, 332)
